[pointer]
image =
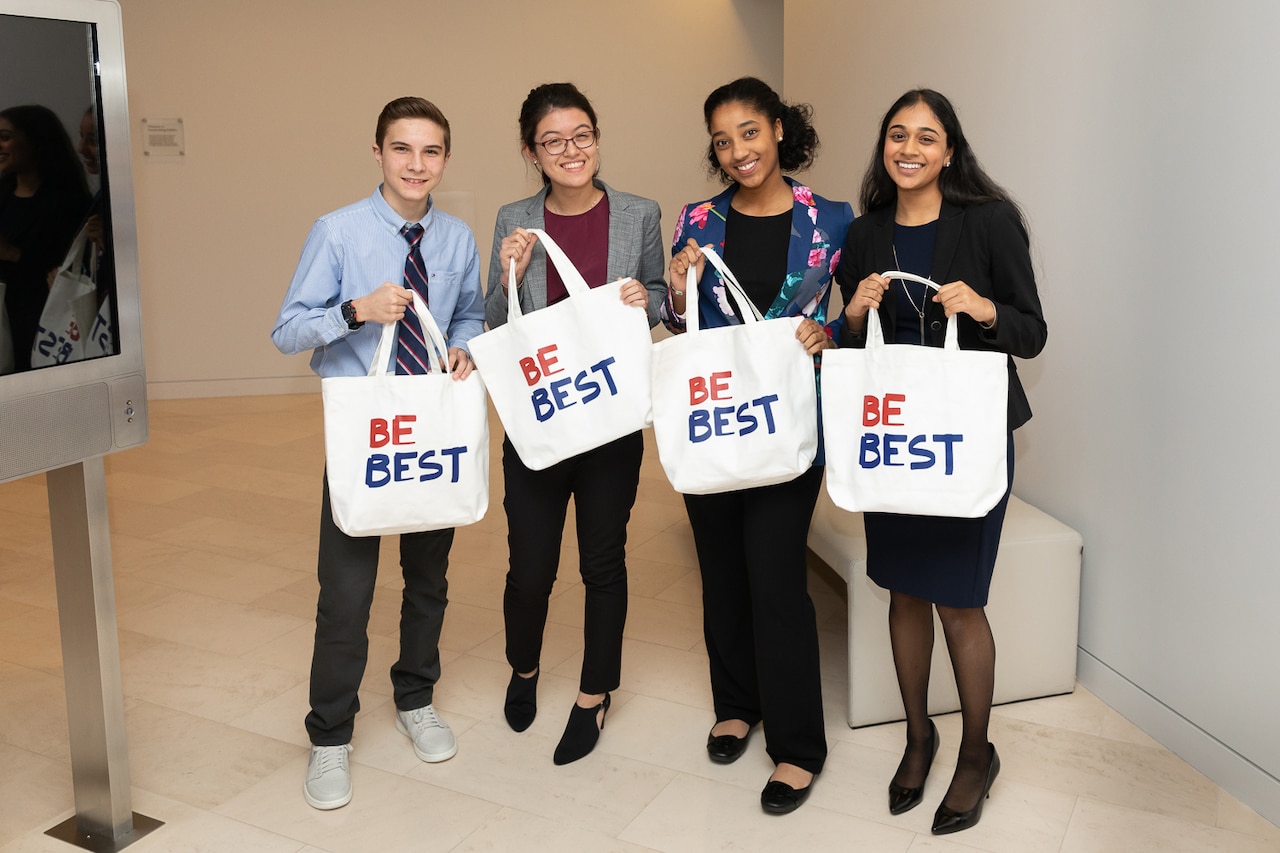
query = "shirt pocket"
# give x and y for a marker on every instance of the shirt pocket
(443, 287)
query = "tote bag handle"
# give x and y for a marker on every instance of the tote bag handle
(875, 335)
(730, 282)
(387, 343)
(574, 283)
(71, 265)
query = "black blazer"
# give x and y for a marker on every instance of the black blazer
(986, 247)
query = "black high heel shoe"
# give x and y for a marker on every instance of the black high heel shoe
(947, 820)
(581, 733)
(903, 799)
(521, 705)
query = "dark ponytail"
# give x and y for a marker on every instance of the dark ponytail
(545, 99)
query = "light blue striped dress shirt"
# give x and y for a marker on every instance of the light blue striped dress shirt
(352, 252)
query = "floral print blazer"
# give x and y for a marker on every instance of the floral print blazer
(818, 229)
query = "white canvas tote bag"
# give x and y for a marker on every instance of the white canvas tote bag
(406, 454)
(733, 407)
(572, 376)
(69, 311)
(915, 429)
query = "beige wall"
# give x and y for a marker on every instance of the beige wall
(1137, 134)
(279, 100)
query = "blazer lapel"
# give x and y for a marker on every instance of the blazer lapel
(535, 275)
(882, 248)
(950, 223)
(622, 242)
(882, 254)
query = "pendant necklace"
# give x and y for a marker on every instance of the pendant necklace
(907, 290)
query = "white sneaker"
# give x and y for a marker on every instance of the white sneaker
(432, 738)
(328, 777)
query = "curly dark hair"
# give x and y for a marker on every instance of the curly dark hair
(799, 140)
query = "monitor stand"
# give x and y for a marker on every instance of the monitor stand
(104, 820)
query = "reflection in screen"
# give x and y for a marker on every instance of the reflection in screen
(57, 267)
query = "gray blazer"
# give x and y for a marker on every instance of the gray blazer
(635, 251)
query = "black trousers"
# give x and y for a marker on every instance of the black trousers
(348, 570)
(758, 619)
(603, 485)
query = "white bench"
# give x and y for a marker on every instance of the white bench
(1033, 608)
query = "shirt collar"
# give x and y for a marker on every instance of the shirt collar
(393, 219)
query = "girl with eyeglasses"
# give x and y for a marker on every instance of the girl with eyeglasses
(608, 235)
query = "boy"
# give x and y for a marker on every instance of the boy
(398, 238)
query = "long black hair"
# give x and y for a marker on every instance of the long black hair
(963, 183)
(56, 160)
(799, 140)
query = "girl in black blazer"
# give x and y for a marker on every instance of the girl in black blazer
(930, 209)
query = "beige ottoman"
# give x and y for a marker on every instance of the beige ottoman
(1033, 609)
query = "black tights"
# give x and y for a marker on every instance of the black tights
(973, 657)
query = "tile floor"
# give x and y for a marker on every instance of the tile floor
(213, 533)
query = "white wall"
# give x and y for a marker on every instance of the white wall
(279, 101)
(1141, 138)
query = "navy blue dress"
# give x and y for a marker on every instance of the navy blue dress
(947, 561)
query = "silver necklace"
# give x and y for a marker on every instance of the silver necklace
(923, 296)
(590, 207)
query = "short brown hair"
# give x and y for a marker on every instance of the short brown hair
(411, 108)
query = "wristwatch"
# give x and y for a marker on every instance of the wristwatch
(349, 314)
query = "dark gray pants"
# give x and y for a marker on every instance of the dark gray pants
(348, 571)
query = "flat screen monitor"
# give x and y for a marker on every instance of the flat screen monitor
(72, 383)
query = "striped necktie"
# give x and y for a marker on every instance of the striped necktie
(411, 345)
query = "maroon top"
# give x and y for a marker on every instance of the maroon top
(585, 239)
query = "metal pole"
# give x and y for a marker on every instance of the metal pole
(91, 661)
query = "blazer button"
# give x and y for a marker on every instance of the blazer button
(935, 325)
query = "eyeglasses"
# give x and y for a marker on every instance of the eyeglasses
(557, 146)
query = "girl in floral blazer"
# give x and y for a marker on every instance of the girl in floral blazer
(782, 242)
(818, 228)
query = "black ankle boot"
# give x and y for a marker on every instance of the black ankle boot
(581, 733)
(522, 701)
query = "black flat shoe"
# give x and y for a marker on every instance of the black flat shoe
(581, 733)
(781, 798)
(521, 705)
(726, 749)
(903, 799)
(947, 820)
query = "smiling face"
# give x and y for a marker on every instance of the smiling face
(745, 143)
(573, 168)
(916, 149)
(412, 156)
(15, 153)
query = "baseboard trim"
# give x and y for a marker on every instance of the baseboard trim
(1228, 769)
